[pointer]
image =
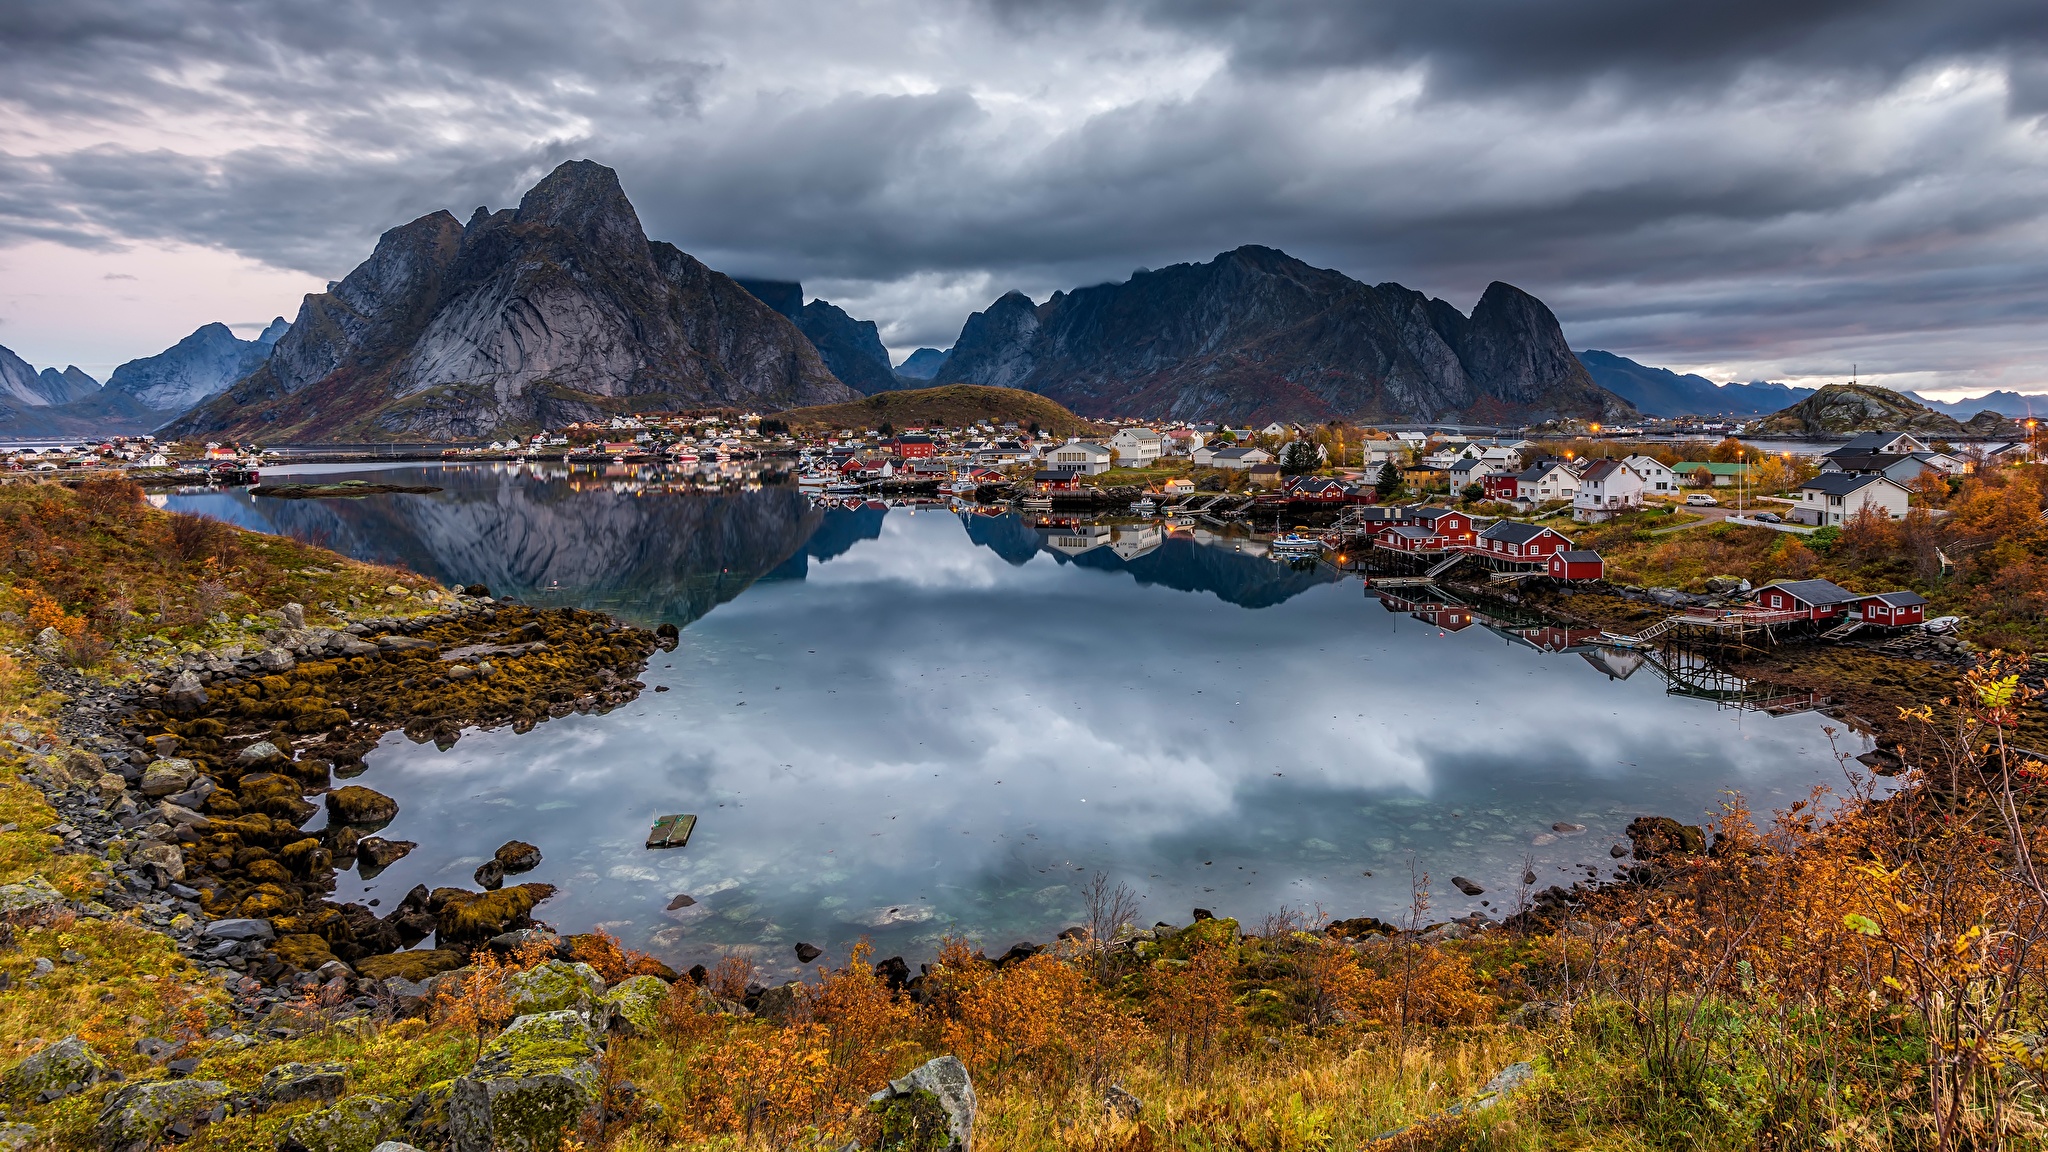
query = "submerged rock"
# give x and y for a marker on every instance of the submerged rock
(536, 1080)
(490, 876)
(1466, 886)
(377, 852)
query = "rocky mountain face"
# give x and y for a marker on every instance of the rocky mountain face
(36, 403)
(21, 386)
(1662, 392)
(1256, 335)
(556, 311)
(199, 366)
(1843, 409)
(851, 348)
(922, 364)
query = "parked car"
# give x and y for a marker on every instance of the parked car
(1767, 518)
(1700, 498)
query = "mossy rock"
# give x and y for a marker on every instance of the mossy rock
(911, 1123)
(556, 986)
(357, 1124)
(34, 894)
(1199, 937)
(426, 1121)
(135, 1117)
(535, 1081)
(636, 1004)
(69, 1061)
(414, 966)
(1655, 837)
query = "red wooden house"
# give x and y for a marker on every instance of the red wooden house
(1502, 486)
(910, 447)
(1514, 540)
(1449, 523)
(1814, 599)
(1575, 565)
(1894, 609)
(1316, 489)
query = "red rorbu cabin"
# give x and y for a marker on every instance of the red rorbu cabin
(1574, 565)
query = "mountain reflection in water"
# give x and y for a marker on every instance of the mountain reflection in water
(898, 726)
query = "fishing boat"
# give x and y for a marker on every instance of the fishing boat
(686, 458)
(1295, 546)
(1038, 500)
(1144, 506)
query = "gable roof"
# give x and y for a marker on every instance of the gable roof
(1411, 533)
(1432, 515)
(1602, 470)
(1868, 443)
(1713, 467)
(1876, 461)
(1578, 556)
(1516, 532)
(1899, 599)
(1818, 593)
(1843, 483)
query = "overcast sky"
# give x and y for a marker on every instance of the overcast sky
(1753, 189)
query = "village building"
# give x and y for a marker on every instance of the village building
(1546, 480)
(1573, 564)
(1137, 447)
(1607, 489)
(1264, 475)
(1080, 456)
(1899, 468)
(1514, 540)
(1882, 444)
(911, 446)
(1236, 459)
(1812, 599)
(1658, 478)
(1710, 473)
(1839, 497)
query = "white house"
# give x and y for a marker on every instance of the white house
(1546, 481)
(1137, 447)
(1656, 477)
(1236, 459)
(156, 460)
(1079, 456)
(1469, 471)
(1607, 488)
(1383, 451)
(1839, 497)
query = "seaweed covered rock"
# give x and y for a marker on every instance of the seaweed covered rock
(167, 777)
(516, 856)
(377, 852)
(1658, 837)
(139, 1116)
(556, 986)
(355, 804)
(1185, 943)
(412, 966)
(466, 917)
(357, 1124)
(906, 1104)
(636, 1004)
(535, 1081)
(56, 1070)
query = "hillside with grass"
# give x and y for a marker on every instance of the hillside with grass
(951, 406)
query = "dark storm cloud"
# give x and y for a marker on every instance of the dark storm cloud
(1747, 181)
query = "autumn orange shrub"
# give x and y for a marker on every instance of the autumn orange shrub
(613, 961)
(1041, 1019)
(1192, 1008)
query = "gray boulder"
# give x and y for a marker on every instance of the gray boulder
(357, 1124)
(636, 1004)
(167, 777)
(536, 1080)
(62, 1067)
(136, 1117)
(14, 1137)
(30, 896)
(241, 929)
(185, 693)
(946, 1080)
(275, 660)
(288, 1082)
(258, 754)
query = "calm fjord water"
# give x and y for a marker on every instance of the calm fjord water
(898, 726)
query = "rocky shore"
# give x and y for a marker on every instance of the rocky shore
(194, 784)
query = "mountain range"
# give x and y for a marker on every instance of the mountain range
(1256, 335)
(559, 310)
(1662, 392)
(141, 394)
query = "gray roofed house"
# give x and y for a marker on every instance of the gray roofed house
(1813, 593)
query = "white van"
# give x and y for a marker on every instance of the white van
(1700, 498)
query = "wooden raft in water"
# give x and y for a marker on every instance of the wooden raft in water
(671, 831)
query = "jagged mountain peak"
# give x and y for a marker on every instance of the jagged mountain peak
(584, 198)
(559, 311)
